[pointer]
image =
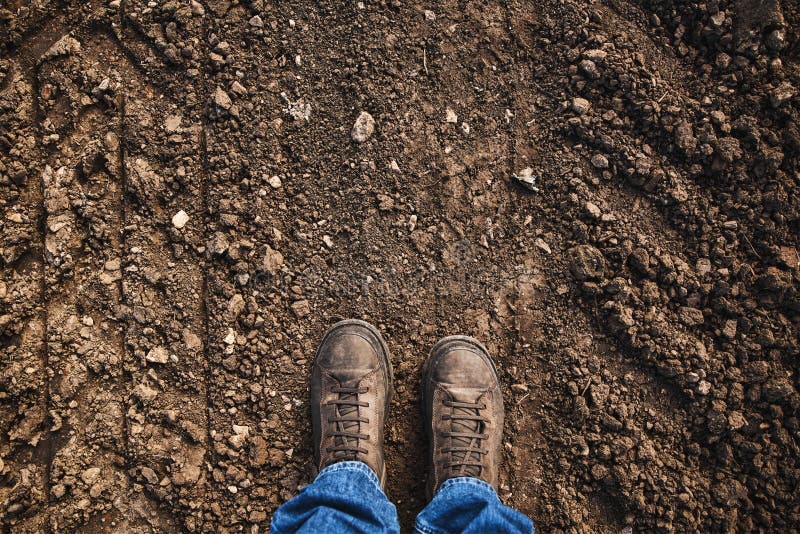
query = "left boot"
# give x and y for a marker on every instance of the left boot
(351, 387)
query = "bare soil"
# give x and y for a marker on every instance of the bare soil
(186, 208)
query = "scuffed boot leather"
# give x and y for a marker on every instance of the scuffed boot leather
(463, 409)
(351, 387)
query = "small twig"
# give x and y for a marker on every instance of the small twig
(522, 415)
(425, 60)
(744, 235)
(589, 383)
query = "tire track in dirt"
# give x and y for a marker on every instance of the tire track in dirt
(532, 94)
(531, 99)
(34, 53)
(469, 112)
(605, 509)
(24, 270)
(646, 224)
(356, 216)
(81, 121)
(248, 368)
(23, 402)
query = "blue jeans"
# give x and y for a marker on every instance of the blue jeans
(347, 497)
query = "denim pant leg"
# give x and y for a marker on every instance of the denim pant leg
(469, 505)
(345, 497)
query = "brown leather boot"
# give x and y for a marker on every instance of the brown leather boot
(463, 409)
(351, 386)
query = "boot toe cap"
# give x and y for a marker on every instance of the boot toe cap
(462, 362)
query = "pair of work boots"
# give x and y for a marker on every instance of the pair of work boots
(351, 387)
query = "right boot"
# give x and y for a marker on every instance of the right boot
(351, 387)
(463, 412)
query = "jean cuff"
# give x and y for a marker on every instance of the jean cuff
(353, 467)
(470, 481)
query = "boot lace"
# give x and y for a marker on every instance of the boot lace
(466, 436)
(348, 421)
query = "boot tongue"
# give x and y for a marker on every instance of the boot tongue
(465, 425)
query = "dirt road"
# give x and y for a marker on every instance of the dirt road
(606, 193)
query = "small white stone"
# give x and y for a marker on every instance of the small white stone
(180, 219)
(328, 241)
(230, 339)
(363, 128)
(275, 182)
(450, 116)
(157, 355)
(542, 245)
(527, 179)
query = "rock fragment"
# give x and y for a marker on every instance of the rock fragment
(542, 245)
(90, 475)
(144, 393)
(301, 308)
(239, 437)
(690, 316)
(222, 99)
(180, 219)
(273, 260)
(526, 179)
(782, 94)
(157, 355)
(363, 128)
(580, 105)
(218, 244)
(593, 210)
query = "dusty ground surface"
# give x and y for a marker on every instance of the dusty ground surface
(185, 210)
